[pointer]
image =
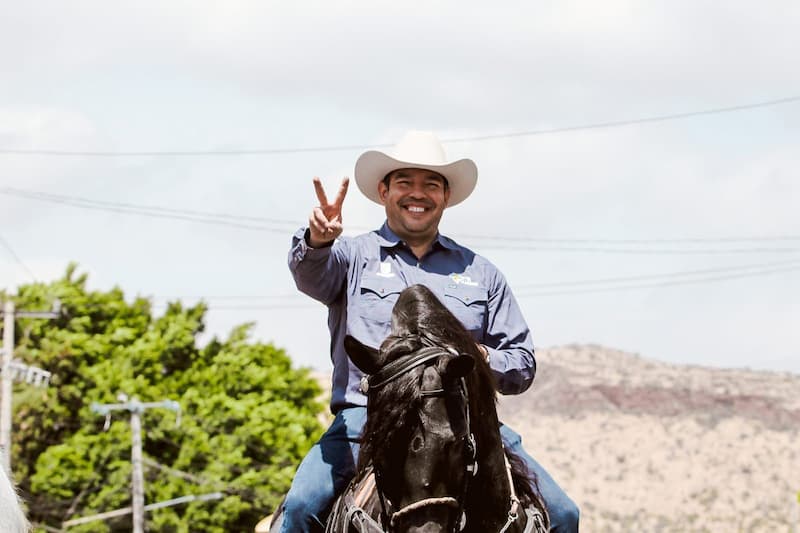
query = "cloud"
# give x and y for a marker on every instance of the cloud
(450, 65)
(194, 75)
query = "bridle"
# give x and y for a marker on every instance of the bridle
(430, 352)
(424, 356)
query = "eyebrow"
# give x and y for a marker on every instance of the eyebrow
(431, 175)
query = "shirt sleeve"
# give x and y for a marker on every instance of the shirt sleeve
(318, 272)
(508, 341)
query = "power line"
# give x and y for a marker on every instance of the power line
(630, 122)
(698, 240)
(701, 280)
(293, 299)
(81, 201)
(17, 258)
(653, 277)
(335, 148)
(165, 213)
(790, 267)
(639, 251)
(512, 243)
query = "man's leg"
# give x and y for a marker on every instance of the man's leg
(324, 474)
(562, 510)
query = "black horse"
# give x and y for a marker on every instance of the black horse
(431, 457)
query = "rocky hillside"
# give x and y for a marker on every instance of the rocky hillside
(648, 446)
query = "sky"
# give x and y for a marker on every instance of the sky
(638, 161)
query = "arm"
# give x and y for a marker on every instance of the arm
(508, 341)
(318, 264)
(318, 272)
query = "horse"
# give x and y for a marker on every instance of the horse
(12, 519)
(431, 457)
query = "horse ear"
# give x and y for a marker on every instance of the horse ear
(459, 366)
(363, 356)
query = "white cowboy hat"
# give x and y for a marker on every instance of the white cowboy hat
(417, 149)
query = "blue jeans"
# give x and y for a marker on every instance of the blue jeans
(562, 510)
(331, 464)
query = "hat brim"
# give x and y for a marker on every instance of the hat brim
(373, 166)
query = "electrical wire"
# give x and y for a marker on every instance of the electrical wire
(638, 251)
(17, 258)
(143, 211)
(333, 148)
(700, 280)
(503, 242)
(654, 277)
(530, 294)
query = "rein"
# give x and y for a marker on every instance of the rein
(534, 516)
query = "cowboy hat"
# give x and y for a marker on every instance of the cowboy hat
(417, 149)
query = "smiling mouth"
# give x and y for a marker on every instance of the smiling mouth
(416, 209)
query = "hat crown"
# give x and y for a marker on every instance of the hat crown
(417, 149)
(420, 147)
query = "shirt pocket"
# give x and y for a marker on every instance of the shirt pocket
(469, 304)
(378, 296)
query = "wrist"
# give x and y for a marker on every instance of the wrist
(313, 243)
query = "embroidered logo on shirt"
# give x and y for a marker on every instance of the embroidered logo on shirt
(463, 280)
(386, 270)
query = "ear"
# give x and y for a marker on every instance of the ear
(383, 190)
(459, 366)
(363, 356)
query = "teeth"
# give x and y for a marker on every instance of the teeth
(415, 209)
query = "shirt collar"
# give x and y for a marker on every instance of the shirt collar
(388, 239)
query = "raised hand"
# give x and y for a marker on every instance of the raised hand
(325, 222)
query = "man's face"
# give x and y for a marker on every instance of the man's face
(415, 200)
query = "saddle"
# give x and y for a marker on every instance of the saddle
(349, 509)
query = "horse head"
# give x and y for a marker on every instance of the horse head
(418, 437)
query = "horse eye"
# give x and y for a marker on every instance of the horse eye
(417, 443)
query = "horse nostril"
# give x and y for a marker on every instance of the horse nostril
(417, 443)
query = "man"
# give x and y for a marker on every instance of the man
(359, 280)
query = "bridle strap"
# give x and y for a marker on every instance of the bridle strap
(411, 507)
(396, 368)
(513, 510)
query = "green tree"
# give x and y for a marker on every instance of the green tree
(248, 415)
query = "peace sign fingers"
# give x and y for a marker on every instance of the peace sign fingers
(335, 207)
(320, 190)
(337, 203)
(325, 222)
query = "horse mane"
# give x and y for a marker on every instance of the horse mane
(420, 315)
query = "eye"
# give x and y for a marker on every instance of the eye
(417, 443)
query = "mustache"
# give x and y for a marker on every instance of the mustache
(423, 203)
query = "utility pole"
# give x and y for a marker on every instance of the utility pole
(136, 409)
(11, 369)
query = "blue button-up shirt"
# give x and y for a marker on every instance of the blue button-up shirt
(359, 280)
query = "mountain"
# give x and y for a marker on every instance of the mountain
(642, 445)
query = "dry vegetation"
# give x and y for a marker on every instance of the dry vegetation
(648, 446)
(644, 446)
